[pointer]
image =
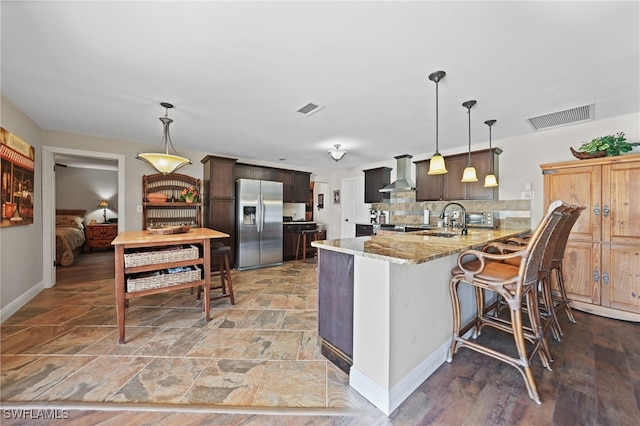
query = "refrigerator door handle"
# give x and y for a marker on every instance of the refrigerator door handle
(260, 224)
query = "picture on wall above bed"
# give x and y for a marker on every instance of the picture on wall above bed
(17, 164)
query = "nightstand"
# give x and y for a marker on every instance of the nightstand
(100, 235)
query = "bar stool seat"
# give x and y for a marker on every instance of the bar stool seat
(222, 253)
(302, 238)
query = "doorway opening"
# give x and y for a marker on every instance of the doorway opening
(49, 202)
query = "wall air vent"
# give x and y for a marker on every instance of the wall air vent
(309, 108)
(562, 118)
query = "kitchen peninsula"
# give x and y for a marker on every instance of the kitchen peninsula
(384, 310)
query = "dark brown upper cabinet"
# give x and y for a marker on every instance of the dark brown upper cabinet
(448, 187)
(295, 185)
(248, 171)
(374, 181)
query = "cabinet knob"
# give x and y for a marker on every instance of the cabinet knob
(605, 278)
(596, 276)
(605, 211)
(596, 210)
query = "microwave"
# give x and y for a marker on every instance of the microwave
(482, 220)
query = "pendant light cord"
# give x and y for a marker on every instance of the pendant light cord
(469, 114)
(437, 147)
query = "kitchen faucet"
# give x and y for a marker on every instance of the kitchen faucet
(464, 215)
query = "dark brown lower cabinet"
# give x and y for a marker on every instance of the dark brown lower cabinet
(290, 239)
(288, 242)
(364, 230)
(335, 307)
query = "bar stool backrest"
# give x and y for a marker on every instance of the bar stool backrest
(539, 241)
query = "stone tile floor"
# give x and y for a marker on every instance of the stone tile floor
(261, 352)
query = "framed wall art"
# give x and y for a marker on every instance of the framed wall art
(17, 168)
(336, 196)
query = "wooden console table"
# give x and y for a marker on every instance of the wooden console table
(131, 242)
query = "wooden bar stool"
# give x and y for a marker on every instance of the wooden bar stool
(515, 283)
(302, 238)
(222, 253)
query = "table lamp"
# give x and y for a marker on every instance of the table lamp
(103, 205)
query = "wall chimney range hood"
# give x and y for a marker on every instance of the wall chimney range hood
(403, 180)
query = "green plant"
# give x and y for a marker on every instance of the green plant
(612, 144)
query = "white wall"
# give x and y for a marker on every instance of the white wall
(80, 188)
(21, 246)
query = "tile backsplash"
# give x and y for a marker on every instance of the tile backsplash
(403, 208)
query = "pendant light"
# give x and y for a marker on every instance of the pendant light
(490, 180)
(164, 162)
(436, 165)
(469, 174)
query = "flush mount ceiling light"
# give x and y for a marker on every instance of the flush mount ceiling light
(436, 165)
(165, 162)
(490, 180)
(336, 153)
(469, 174)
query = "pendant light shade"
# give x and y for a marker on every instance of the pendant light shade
(165, 162)
(469, 174)
(437, 165)
(336, 153)
(490, 180)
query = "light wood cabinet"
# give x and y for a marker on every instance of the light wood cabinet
(374, 181)
(171, 212)
(448, 186)
(602, 258)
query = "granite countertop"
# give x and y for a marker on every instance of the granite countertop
(298, 222)
(411, 248)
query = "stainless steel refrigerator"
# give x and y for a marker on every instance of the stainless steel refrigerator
(258, 223)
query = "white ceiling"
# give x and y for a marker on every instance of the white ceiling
(237, 71)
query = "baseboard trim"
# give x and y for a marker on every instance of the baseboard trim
(20, 301)
(388, 400)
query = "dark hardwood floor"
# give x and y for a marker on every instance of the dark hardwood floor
(595, 381)
(97, 265)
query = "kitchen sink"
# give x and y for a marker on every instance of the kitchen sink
(443, 234)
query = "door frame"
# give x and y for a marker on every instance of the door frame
(49, 202)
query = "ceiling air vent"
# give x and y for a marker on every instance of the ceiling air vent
(309, 109)
(562, 118)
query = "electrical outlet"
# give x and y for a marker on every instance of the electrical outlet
(527, 195)
(527, 186)
(139, 208)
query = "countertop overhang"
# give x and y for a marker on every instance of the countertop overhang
(414, 248)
